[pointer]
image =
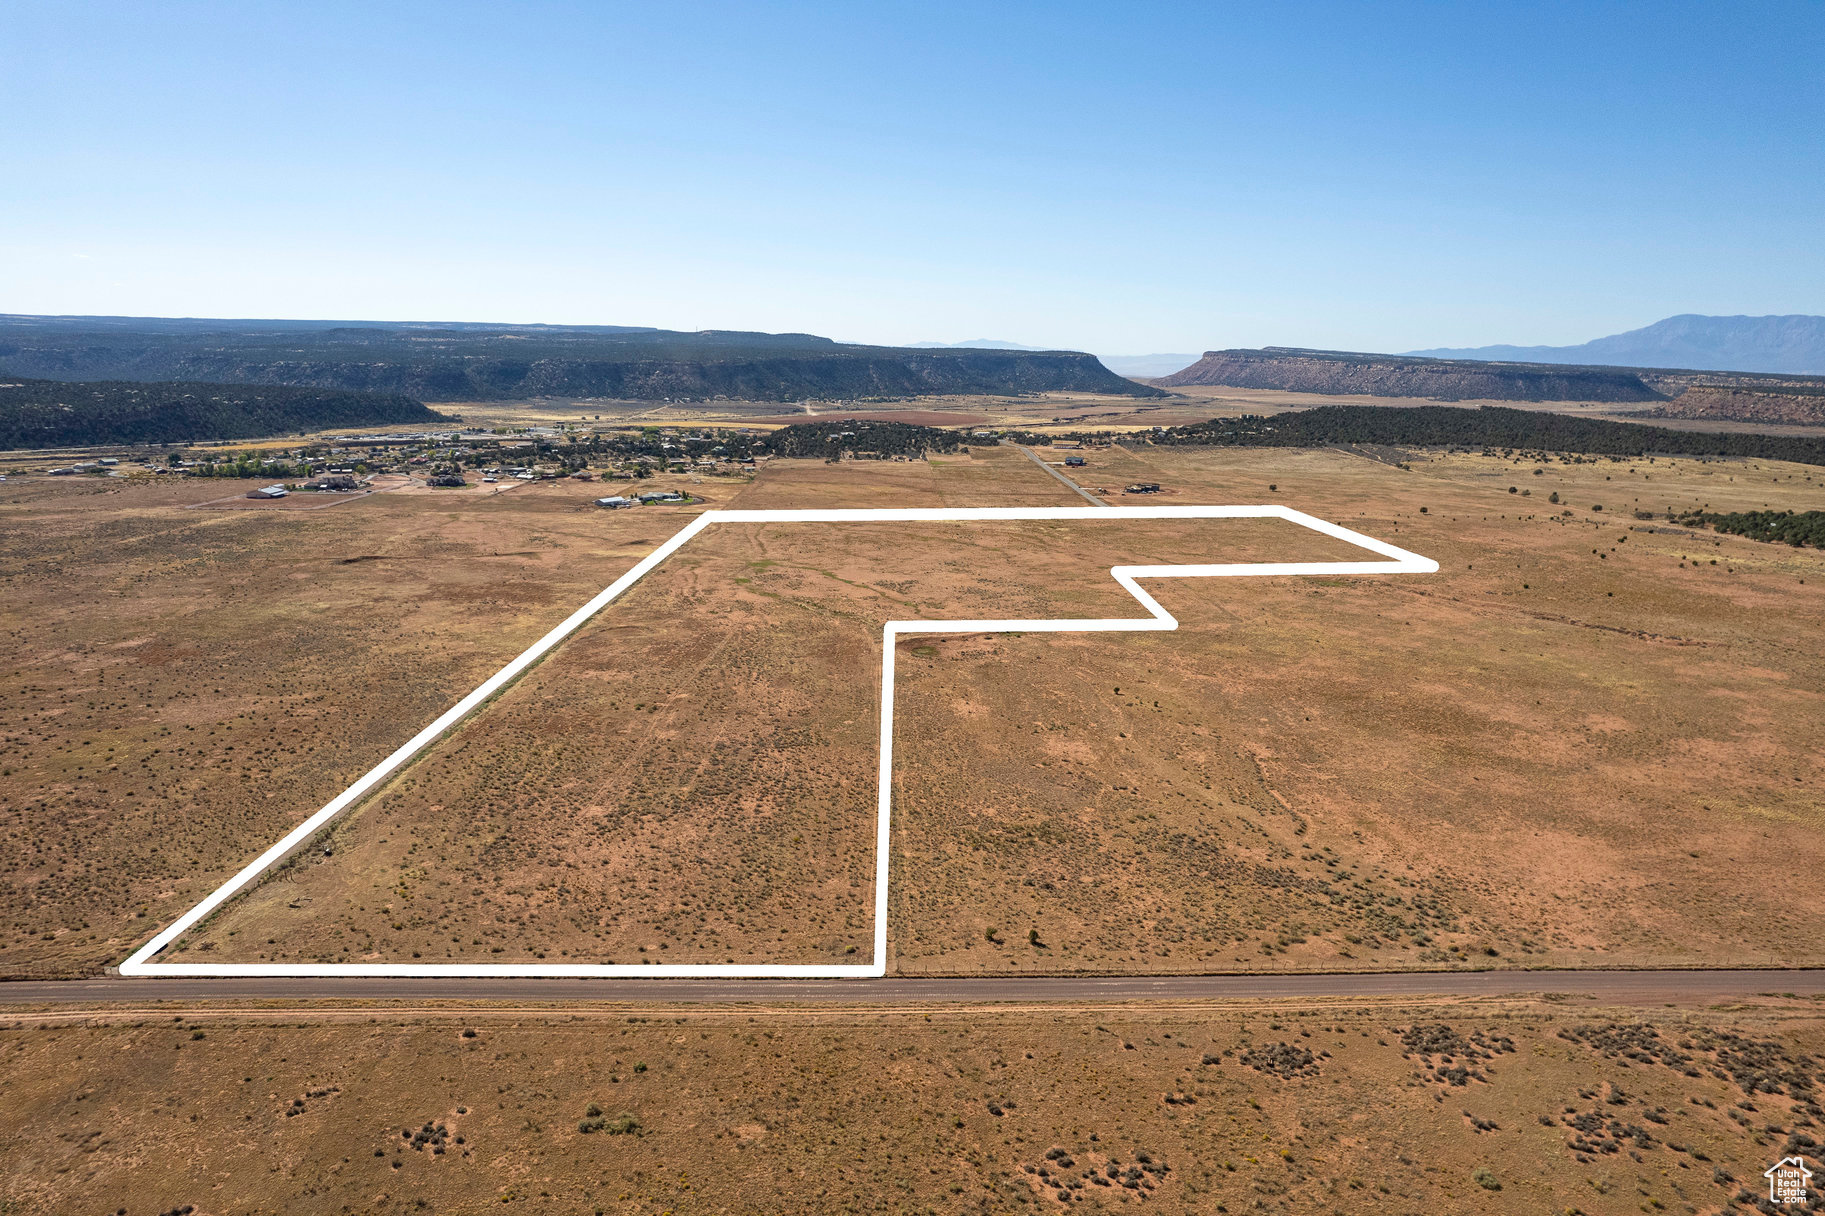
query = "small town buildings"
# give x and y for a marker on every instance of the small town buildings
(614, 502)
(1074, 462)
(268, 492)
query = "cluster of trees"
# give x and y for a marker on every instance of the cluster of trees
(1490, 426)
(878, 440)
(61, 414)
(1797, 528)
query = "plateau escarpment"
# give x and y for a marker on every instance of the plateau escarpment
(505, 362)
(1341, 372)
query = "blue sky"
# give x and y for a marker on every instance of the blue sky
(1121, 178)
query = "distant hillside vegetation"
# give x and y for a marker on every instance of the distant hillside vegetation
(58, 414)
(1743, 401)
(1793, 344)
(1491, 426)
(480, 362)
(1343, 372)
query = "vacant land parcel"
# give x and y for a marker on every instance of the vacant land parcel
(692, 776)
(184, 685)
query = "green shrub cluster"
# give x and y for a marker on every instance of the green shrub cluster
(1797, 528)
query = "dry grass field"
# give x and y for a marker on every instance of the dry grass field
(1588, 740)
(692, 780)
(182, 685)
(1577, 759)
(1046, 413)
(1580, 743)
(1338, 1107)
(1041, 411)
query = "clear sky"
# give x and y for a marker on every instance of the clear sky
(1121, 177)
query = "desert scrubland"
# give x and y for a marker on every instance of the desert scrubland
(1581, 743)
(183, 685)
(1576, 744)
(1588, 740)
(1519, 1106)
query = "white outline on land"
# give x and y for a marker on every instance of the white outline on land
(1396, 561)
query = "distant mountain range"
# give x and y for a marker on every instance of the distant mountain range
(1791, 345)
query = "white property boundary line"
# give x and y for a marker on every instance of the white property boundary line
(1397, 561)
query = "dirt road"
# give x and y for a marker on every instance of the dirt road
(1618, 987)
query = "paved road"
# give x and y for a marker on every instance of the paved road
(1621, 987)
(1034, 457)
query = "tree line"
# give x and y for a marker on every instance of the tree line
(1489, 426)
(65, 414)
